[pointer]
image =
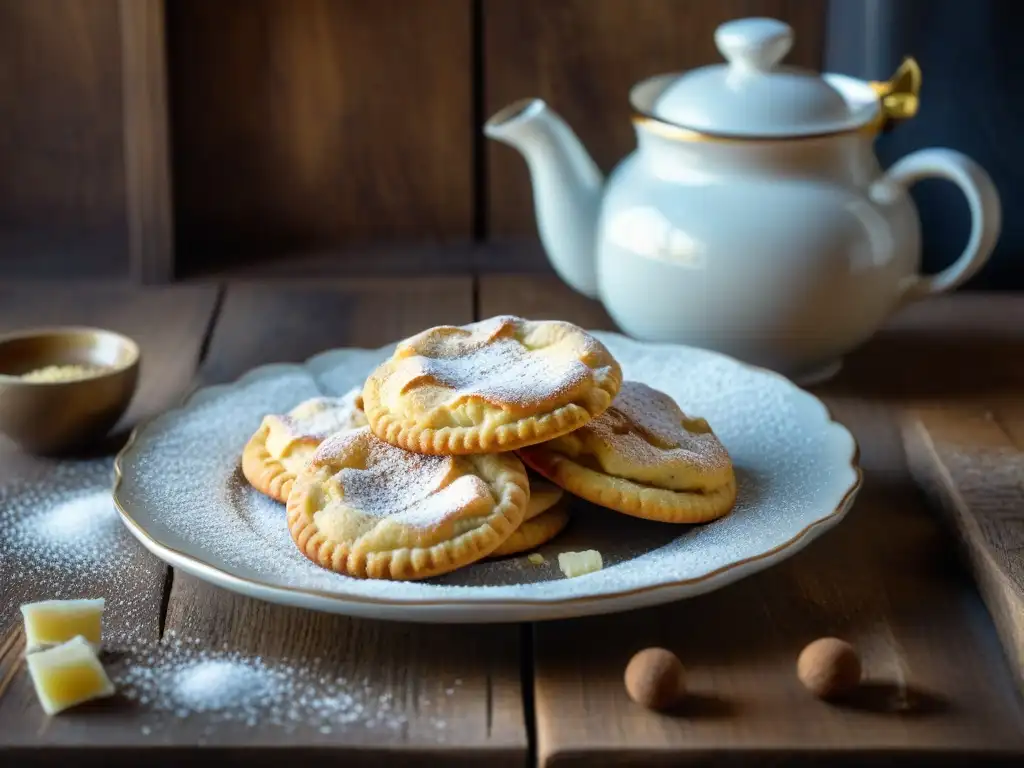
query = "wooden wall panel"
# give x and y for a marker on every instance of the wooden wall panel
(147, 140)
(582, 56)
(62, 191)
(303, 125)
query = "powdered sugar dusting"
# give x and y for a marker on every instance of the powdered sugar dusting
(319, 417)
(218, 684)
(496, 368)
(462, 493)
(654, 412)
(391, 479)
(793, 468)
(61, 538)
(648, 428)
(407, 487)
(78, 519)
(178, 677)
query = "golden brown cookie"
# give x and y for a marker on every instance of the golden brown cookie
(543, 495)
(643, 457)
(369, 509)
(490, 386)
(534, 532)
(279, 449)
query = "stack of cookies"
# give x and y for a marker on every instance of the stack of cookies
(422, 471)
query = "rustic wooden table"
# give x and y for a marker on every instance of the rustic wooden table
(888, 578)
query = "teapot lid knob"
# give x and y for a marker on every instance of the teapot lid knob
(754, 95)
(756, 44)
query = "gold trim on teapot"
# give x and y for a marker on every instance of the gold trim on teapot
(899, 97)
(898, 100)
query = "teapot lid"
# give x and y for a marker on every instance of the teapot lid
(753, 95)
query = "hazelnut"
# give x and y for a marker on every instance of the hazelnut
(829, 668)
(655, 678)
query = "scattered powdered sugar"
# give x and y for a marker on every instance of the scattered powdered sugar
(407, 487)
(177, 676)
(217, 684)
(67, 518)
(183, 485)
(60, 530)
(75, 521)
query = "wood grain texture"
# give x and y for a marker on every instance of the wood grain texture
(306, 124)
(477, 719)
(582, 57)
(147, 140)
(938, 688)
(972, 466)
(62, 192)
(169, 325)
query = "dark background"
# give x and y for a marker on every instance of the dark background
(155, 140)
(972, 99)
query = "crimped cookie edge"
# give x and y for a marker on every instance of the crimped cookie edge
(262, 471)
(417, 563)
(627, 497)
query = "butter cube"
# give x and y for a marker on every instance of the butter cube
(67, 675)
(579, 563)
(52, 622)
(536, 558)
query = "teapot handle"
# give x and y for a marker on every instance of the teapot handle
(982, 199)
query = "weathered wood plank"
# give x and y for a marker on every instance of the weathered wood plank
(454, 691)
(147, 141)
(973, 468)
(884, 579)
(47, 551)
(307, 124)
(395, 261)
(62, 191)
(582, 57)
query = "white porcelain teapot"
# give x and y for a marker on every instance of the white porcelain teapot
(753, 217)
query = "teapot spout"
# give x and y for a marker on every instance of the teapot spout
(567, 187)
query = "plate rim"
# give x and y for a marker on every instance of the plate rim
(746, 566)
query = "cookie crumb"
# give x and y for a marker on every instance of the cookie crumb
(574, 564)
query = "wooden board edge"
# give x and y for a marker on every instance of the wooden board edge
(933, 478)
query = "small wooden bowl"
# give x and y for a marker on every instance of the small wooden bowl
(52, 417)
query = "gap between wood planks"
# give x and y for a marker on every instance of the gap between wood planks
(526, 692)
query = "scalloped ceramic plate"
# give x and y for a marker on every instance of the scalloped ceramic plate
(180, 492)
